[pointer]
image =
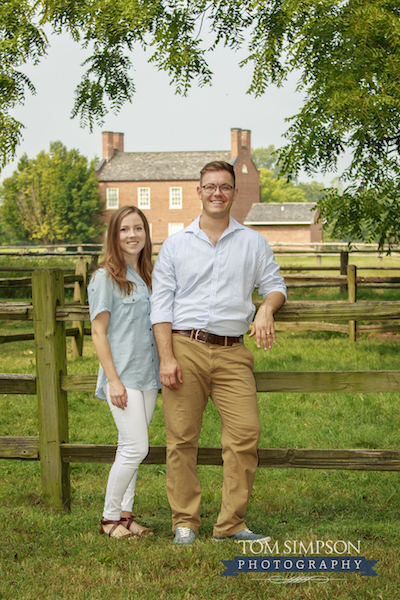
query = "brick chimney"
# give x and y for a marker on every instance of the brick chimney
(112, 143)
(246, 141)
(236, 142)
(241, 144)
(247, 176)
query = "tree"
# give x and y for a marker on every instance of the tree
(266, 158)
(345, 51)
(52, 198)
(351, 73)
(313, 190)
(5, 237)
(279, 189)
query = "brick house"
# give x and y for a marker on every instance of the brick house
(163, 184)
(286, 222)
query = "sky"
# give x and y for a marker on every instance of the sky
(157, 119)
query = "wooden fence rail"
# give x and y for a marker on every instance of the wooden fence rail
(312, 322)
(348, 382)
(287, 247)
(78, 280)
(51, 384)
(266, 381)
(26, 282)
(27, 448)
(291, 311)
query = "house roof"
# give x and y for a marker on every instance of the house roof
(158, 166)
(282, 213)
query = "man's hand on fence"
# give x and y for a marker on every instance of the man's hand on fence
(263, 326)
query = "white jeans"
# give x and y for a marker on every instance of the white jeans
(133, 446)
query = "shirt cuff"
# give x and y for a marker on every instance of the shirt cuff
(97, 310)
(160, 316)
(282, 290)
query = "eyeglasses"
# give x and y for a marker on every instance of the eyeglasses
(211, 189)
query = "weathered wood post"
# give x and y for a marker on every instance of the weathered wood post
(50, 349)
(94, 262)
(79, 296)
(344, 261)
(352, 296)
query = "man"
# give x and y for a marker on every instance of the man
(203, 282)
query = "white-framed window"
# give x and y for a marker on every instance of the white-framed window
(175, 197)
(144, 197)
(174, 228)
(112, 198)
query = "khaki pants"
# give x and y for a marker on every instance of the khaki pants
(226, 375)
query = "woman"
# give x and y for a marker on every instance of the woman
(119, 304)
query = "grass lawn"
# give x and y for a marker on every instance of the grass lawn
(50, 556)
(62, 556)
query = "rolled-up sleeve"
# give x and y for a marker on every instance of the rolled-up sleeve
(269, 279)
(99, 294)
(163, 286)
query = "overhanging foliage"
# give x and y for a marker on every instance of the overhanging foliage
(346, 53)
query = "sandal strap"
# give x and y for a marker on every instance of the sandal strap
(126, 522)
(115, 525)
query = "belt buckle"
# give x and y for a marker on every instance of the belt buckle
(196, 334)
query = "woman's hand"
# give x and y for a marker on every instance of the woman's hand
(118, 394)
(117, 391)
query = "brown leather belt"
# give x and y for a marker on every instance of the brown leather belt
(204, 336)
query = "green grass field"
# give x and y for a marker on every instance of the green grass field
(62, 556)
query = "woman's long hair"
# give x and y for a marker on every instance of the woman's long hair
(113, 260)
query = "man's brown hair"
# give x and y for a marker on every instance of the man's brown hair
(218, 165)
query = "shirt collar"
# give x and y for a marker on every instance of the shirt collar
(194, 227)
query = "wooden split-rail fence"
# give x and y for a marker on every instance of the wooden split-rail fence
(78, 280)
(51, 384)
(349, 282)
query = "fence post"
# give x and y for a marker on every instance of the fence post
(344, 262)
(93, 263)
(352, 296)
(79, 296)
(50, 349)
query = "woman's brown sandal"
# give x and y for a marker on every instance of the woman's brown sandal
(114, 533)
(140, 530)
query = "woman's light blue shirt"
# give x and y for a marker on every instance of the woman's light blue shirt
(129, 332)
